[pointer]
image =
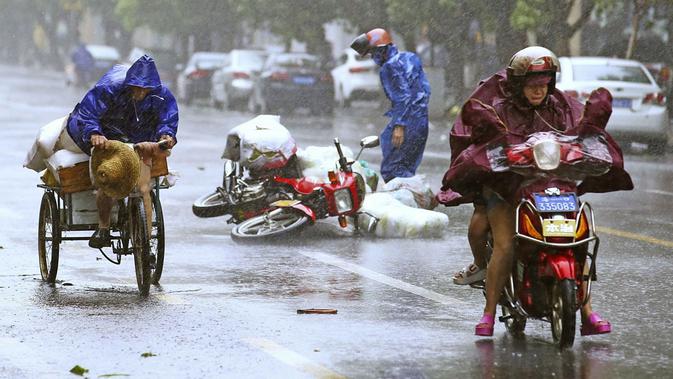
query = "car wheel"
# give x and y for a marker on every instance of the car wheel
(343, 101)
(657, 147)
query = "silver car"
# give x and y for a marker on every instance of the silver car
(232, 84)
(638, 104)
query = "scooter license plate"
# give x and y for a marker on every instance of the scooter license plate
(558, 228)
(566, 202)
(285, 203)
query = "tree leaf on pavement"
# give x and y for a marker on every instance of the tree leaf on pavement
(79, 370)
(147, 355)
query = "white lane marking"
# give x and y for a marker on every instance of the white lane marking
(381, 278)
(170, 299)
(659, 192)
(291, 358)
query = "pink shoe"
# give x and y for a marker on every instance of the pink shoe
(594, 324)
(485, 326)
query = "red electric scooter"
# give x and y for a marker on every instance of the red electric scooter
(553, 266)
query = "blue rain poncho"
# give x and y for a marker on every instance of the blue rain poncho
(408, 90)
(109, 110)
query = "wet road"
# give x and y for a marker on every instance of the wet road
(226, 310)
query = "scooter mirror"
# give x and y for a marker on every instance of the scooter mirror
(369, 141)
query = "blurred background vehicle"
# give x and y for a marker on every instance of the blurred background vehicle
(194, 79)
(83, 70)
(638, 106)
(232, 84)
(355, 78)
(165, 60)
(104, 58)
(293, 80)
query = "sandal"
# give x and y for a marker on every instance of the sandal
(485, 326)
(469, 275)
(594, 324)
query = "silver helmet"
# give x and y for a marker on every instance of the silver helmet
(532, 60)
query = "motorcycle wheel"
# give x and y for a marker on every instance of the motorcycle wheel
(271, 226)
(210, 205)
(515, 325)
(563, 312)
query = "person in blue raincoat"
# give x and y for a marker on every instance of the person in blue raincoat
(83, 63)
(404, 83)
(127, 104)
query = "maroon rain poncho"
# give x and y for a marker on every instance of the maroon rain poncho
(492, 116)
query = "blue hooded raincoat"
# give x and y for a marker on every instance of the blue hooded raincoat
(408, 90)
(109, 110)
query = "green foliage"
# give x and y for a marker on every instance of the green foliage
(79, 370)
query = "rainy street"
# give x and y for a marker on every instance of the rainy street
(229, 310)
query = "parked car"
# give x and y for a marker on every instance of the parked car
(194, 79)
(355, 77)
(232, 84)
(638, 106)
(293, 80)
(165, 60)
(103, 58)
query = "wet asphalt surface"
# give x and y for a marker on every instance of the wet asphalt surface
(229, 310)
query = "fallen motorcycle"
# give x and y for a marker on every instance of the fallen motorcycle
(553, 268)
(309, 200)
(255, 151)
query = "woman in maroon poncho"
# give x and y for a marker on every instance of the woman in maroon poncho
(508, 111)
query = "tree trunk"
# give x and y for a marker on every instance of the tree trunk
(638, 9)
(508, 40)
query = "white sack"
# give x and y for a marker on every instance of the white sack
(62, 159)
(397, 220)
(316, 161)
(261, 143)
(419, 188)
(44, 145)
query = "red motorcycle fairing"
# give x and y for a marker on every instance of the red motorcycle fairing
(346, 181)
(302, 185)
(560, 265)
(304, 209)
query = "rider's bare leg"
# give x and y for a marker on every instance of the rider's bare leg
(501, 220)
(144, 186)
(104, 204)
(477, 234)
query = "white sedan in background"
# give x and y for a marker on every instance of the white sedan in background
(638, 103)
(355, 78)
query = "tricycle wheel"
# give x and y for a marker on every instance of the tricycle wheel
(140, 245)
(48, 237)
(563, 312)
(276, 224)
(157, 242)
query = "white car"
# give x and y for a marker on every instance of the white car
(194, 80)
(355, 78)
(638, 103)
(232, 84)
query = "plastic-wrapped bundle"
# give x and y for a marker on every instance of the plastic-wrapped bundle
(262, 143)
(397, 220)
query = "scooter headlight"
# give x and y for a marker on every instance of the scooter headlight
(343, 200)
(547, 154)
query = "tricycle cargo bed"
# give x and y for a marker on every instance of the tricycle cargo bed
(76, 178)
